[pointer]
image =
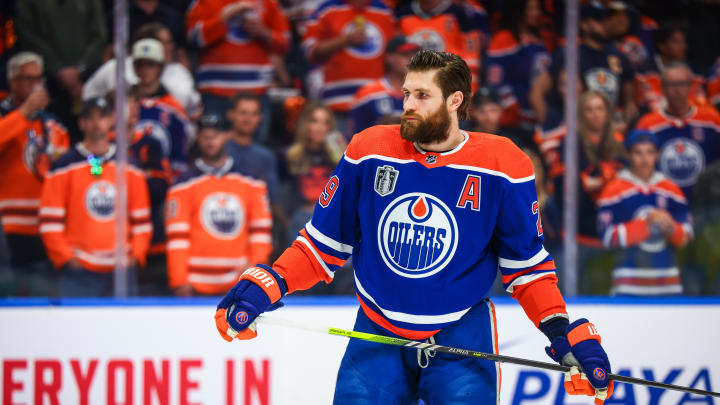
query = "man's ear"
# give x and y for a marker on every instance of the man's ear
(455, 100)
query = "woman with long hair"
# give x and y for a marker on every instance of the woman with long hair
(309, 161)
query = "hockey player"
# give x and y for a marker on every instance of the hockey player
(642, 211)
(30, 138)
(77, 210)
(218, 221)
(429, 213)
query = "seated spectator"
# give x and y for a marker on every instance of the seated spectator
(8, 38)
(309, 162)
(236, 40)
(516, 56)
(347, 38)
(77, 221)
(671, 45)
(176, 78)
(70, 35)
(688, 136)
(601, 155)
(446, 26)
(486, 111)
(218, 221)
(384, 96)
(601, 67)
(30, 139)
(647, 216)
(160, 115)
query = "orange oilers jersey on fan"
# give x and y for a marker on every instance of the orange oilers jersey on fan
(218, 223)
(77, 211)
(455, 28)
(27, 148)
(713, 84)
(230, 59)
(351, 68)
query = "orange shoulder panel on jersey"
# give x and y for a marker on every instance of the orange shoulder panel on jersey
(651, 120)
(614, 189)
(707, 114)
(673, 189)
(369, 89)
(502, 43)
(383, 140)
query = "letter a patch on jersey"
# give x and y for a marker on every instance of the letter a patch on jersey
(470, 193)
(385, 179)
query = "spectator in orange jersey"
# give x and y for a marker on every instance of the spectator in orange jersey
(78, 212)
(348, 38)
(30, 138)
(446, 26)
(218, 221)
(713, 85)
(309, 161)
(383, 97)
(237, 40)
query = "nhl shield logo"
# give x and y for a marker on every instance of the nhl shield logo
(431, 159)
(385, 180)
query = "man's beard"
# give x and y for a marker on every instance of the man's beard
(433, 129)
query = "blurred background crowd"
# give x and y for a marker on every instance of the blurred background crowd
(238, 111)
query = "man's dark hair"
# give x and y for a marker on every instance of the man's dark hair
(243, 96)
(452, 74)
(667, 29)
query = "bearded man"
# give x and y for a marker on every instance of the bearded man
(429, 214)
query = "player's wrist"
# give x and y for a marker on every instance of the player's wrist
(266, 280)
(555, 326)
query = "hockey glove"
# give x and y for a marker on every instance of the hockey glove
(580, 349)
(258, 290)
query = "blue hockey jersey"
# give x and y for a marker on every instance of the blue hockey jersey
(427, 231)
(647, 264)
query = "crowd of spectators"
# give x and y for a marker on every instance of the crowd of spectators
(238, 112)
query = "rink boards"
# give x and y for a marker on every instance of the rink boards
(169, 352)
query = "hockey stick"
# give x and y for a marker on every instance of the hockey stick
(411, 344)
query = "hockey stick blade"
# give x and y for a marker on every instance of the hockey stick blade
(412, 344)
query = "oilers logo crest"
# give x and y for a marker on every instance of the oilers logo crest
(417, 235)
(428, 39)
(100, 200)
(222, 215)
(32, 153)
(374, 44)
(681, 160)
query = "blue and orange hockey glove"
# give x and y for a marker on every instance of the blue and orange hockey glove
(258, 290)
(579, 347)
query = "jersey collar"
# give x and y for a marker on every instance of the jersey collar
(627, 175)
(215, 171)
(103, 158)
(448, 152)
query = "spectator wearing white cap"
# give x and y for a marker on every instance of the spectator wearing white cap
(176, 78)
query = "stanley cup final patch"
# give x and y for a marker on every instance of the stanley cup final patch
(385, 180)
